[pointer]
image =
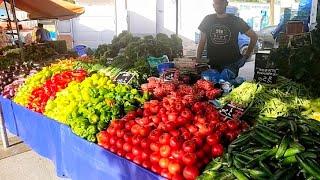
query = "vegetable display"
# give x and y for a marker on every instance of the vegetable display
(171, 136)
(38, 79)
(89, 106)
(41, 95)
(285, 148)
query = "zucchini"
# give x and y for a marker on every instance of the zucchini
(282, 147)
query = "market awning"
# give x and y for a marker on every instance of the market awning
(49, 9)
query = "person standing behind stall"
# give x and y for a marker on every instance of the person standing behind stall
(42, 35)
(220, 32)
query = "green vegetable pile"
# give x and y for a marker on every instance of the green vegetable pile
(271, 101)
(286, 148)
(88, 106)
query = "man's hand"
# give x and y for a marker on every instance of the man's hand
(202, 43)
(253, 41)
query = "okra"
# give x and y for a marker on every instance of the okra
(307, 167)
(282, 147)
(238, 174)
(257, 174)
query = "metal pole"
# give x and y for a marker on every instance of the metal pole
(272, 12)
(9, 19)
(12, 2)
(3, 130)
(177, 17)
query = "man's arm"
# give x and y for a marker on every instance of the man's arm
(253, 41)
(201, 45)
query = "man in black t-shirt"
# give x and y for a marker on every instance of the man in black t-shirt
(220, 32)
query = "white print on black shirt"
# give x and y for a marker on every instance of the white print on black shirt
(220, 34)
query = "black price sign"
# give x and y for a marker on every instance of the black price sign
(265, 70)
(170, 75)
(124, 77)
(300, 40)
(231, 111)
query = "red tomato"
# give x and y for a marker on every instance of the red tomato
(121, 153)
(231, 135)
(164, 138)
(186, 135)
(154, 109)
(177, 177)
(232, 124)
(213, 139)
(113, 149)
(137, 160)
(146, 164)
(120, 133)
(187, 114)
(156, 168)
(154, 147)
(127, 137)
(146, 113)
(163, 163)
(189, 159)
(177, 154)
(217, 150)
(204, 129)
(113, 140)
(223, 127)
(155, 119)
(145, 143)
(145, 154)
(172, 117)
(118, 124)
(207, 148)
(190, 172)
(127, 147)
(144, 131)
(129, 125)
(136, 140)
(135, 129)
(174, 167)
(192, 128)
(154, 135)
(174, 133)
(175, 142)
(129, 156)
(198, 140)
(189, 146)
(120, 143)
(155, 158)
(136, 151)
(178, 107)
(197, 106)
(165, 173)
(112, 130)
(165, 150)
(181, 120)
(200, 154)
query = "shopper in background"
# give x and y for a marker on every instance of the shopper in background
(220, 32)
(42, 35)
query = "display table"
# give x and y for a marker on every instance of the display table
(73, 156)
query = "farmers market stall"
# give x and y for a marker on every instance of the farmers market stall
(132, 114)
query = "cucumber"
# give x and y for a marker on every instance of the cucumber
(307, 167)
(289, 160)
(238, 174)
(266, 136)
(265, 168)
(257, 174)
(261, 140)
(282, 147)
(268, 131)
(295, 149)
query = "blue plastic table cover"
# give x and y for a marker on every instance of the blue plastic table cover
(72, 156)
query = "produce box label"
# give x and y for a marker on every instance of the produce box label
(300, 40)
(265, 70)
(170, 75)
(231, 111)
(124, 77)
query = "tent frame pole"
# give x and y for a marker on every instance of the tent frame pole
(9, 19)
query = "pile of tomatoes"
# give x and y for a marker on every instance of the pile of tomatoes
(175, 136)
